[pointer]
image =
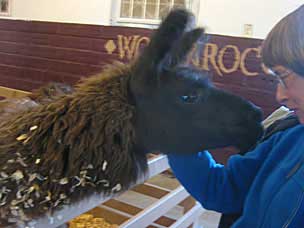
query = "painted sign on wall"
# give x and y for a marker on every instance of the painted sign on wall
(212, 56)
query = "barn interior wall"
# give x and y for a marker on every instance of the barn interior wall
(226, 17)
(221, 17)
(69, 11)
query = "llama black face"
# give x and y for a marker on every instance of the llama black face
(178, 108)
(187, 114)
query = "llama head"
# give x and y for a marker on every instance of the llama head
(177, 107)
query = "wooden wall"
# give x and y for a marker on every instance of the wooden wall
(33, 53)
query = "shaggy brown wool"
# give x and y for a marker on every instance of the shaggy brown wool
(63, 151)
(9, 107)
(42, 95)
(49, 92)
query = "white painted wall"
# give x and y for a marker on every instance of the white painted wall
(74, 11)
(226, 17)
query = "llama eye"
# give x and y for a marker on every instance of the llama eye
(189, 99)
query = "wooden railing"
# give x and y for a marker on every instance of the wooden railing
(12, 93)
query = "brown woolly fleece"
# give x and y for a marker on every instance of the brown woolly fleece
(61, 152)
(42, 95)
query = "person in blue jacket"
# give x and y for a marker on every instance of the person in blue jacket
(266, 184)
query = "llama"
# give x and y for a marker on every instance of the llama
(42, 95)
(95, 140)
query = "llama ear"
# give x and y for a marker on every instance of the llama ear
(171, 29)
(183, 47)
(147, 66)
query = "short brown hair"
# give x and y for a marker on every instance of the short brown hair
(284, 45)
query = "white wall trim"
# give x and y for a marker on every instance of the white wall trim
(193, 5)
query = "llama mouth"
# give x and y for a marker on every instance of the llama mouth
(249, 136)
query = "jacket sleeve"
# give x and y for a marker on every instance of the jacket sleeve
(217, 187)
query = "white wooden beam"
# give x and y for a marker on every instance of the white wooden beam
(157, 209)
(189, 218)
(155, 166)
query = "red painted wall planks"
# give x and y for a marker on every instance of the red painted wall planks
(33, 53)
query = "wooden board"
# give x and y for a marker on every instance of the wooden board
(12, 93)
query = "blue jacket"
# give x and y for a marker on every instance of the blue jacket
(267, 184)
